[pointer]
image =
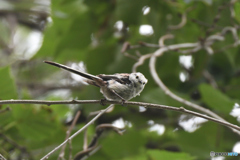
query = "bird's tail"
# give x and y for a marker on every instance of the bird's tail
(85, 75)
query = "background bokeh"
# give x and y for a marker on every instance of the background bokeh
(90, 35)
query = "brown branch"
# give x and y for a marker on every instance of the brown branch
(16, 145)
(210, 78)
(2, 158)
(61, 155)
(78, 132)
(140, 61)
(181, 24)
(94, 142)
(157, 79)
(49, 102)
(163, 38)
(150, 105)
(5, 110)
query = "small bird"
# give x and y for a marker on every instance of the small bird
(119, 86)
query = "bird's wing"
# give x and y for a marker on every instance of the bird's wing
(122, 78)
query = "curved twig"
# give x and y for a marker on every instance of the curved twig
(156, 78)
(163, 38)
(140, 61)
(181, 24)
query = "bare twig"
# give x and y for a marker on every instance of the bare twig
(61, 155)
(140, 61)
(76, 133)
(2, 158)
(210, 78)
(157, 79)
(4, 110)
(232, 8)
(233, 30)
(94, 142)
(70, 149)
(150, 105)
(130, 56)
(49, 102)
(181, 24)
(85, 140)
(15, 145)
(163, 38)
(145, 44)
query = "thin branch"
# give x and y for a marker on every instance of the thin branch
(94, 142)
(140, 61)
(61, 155)
(181, 24)
(163, 38)
(70, 149)
(157, 79)
(15, 145)
(150, 105)
(5, 110)
(85, 140)
(233, 30)
(2, 158)
(78, 132)
(232, 8)
(210, 78)
(145, 44)
(49, 102)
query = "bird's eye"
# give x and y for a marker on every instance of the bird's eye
(144, 83)
(137, 77)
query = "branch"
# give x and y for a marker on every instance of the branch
(157, 79)
(61, 155)
(181, 24)
(15, 145)
(93, 145)
(140, 61)
(49, 102)
(78, 132)
(2, 158)
(210, 78)
(5, 110)
(147, 105)
(163, 38)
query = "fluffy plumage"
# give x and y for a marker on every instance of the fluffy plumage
(119, 86)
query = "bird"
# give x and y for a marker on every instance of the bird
(115, 87)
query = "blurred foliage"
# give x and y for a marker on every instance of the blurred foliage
(94, 32)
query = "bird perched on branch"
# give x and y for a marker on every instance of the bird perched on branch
(119, 86)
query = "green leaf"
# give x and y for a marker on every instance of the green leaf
(7, 87)
(166, 155)
(134, 142)
(215, 99)
(158, 96)
(34, 124)
(237, 10)
(129, 11)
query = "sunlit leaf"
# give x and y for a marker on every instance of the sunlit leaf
(215, 99)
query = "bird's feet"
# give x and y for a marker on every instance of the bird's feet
(103, 102)
(123, 103)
